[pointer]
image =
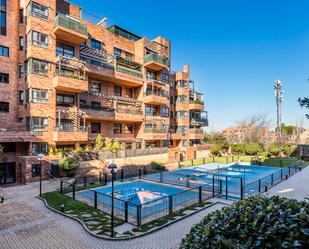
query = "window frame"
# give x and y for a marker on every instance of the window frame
(2, 78)
(61, 49)
(4, 106)
(39, 12)
(4, 48)
(117, 128)
(92, 127)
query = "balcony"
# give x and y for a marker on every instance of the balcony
(129, 115)
(156, 62)
(199, 119)
(64, 133)
(129, 71)
(156, 97)
(196, 105)
(196, 133)
(155, 134)
(70, 81)
(69, 29)
(98, 112)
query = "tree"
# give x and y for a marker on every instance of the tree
(253, 149)
(274, 149)
(216, 150)
(99, 142)
(69, 163)
(304, 103)
(116, 146)
(238, 149)
(108, 144)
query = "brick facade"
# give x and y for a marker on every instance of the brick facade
(80, 78)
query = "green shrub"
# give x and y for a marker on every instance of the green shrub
(69, 163)
(253, 149)
(257, 222)
(159, 166)
(288, 149)
(274, 149)
(238, 149)
(216, 150)
(265, 154)
(99, 142)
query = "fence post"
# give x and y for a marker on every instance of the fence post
(281, 163)
(281, 174)
(241, 190)
(238, 157)
(259, 185)
(138, 216)
(145, 171)
(266, 188)
(226, 188)
(179, 165)
(272, 179)
(227, 159)
(200, 194)
(73, 190)
(122, 175)
(213, 185)
(139, 173)
(170, 204)
(95, 199)
(105, 179)
(203, 160)
(126, 212)
(100, 177)
(232, 158)
(61, 187)
(187, 181)
(213, 159)
(85, 181)
(289, 170)
(220, 186)
(192, 162)
(161, 176)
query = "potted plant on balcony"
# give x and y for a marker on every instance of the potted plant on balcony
(69, 165)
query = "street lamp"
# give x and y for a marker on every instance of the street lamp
(40, 157)
(112, 167)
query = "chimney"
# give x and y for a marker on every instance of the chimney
(186, 69)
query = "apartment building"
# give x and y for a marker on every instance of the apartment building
(65, 78)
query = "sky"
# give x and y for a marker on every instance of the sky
(236, 50)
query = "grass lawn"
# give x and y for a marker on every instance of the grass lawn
(280, 162)
(94, 219)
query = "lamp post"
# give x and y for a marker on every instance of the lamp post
(40, 157)
(112, 167)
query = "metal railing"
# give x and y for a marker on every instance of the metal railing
(157, 93)
(157, 58)
(70, 23)
(71, 75)
(129, 111)
(198, 102)
(70, 128)
(155, 130)
(97, 108)
(130, 71)
(196, 131)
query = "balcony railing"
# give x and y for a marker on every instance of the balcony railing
(155, 130)
(196, 131)
(130, 71)
(70, 128)
(181, 130)
(69, 23)
(70, 75)
(157, 93)
(157, 58)
(38, 128)
(97, 108)
(129, 111)
(197, 102)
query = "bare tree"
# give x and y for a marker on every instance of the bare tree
(253, 129)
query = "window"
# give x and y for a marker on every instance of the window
(165, 143)
(4, 107)
(117, 90)
(150, 111)
(37, 67)
(129, 129)
(65, 99)
(117, 128)
(164, 77)
(2, 22)
(184, 143)
(95, 87)
(117, 52)
(3, 4)
(38, 148)
(128, 56)
(129, 93)
(4, 78)
(95, 44)
(95, 127)
(150, 75)
(37, 123)
(39, 95)
(20, 70)
(36, 170)
(21, 16)
(4, 51)
(64, 50)
(39, 11)
(182, 114)
(138, 146)
(128, 146)
(82, 102)
(38, 39)
(21, 43)
(21, 97)
(95, 104)
(165, 112)
(182, 99)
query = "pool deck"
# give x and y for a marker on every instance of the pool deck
(26, 223)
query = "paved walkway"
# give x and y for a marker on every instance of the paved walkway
(26, 223)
